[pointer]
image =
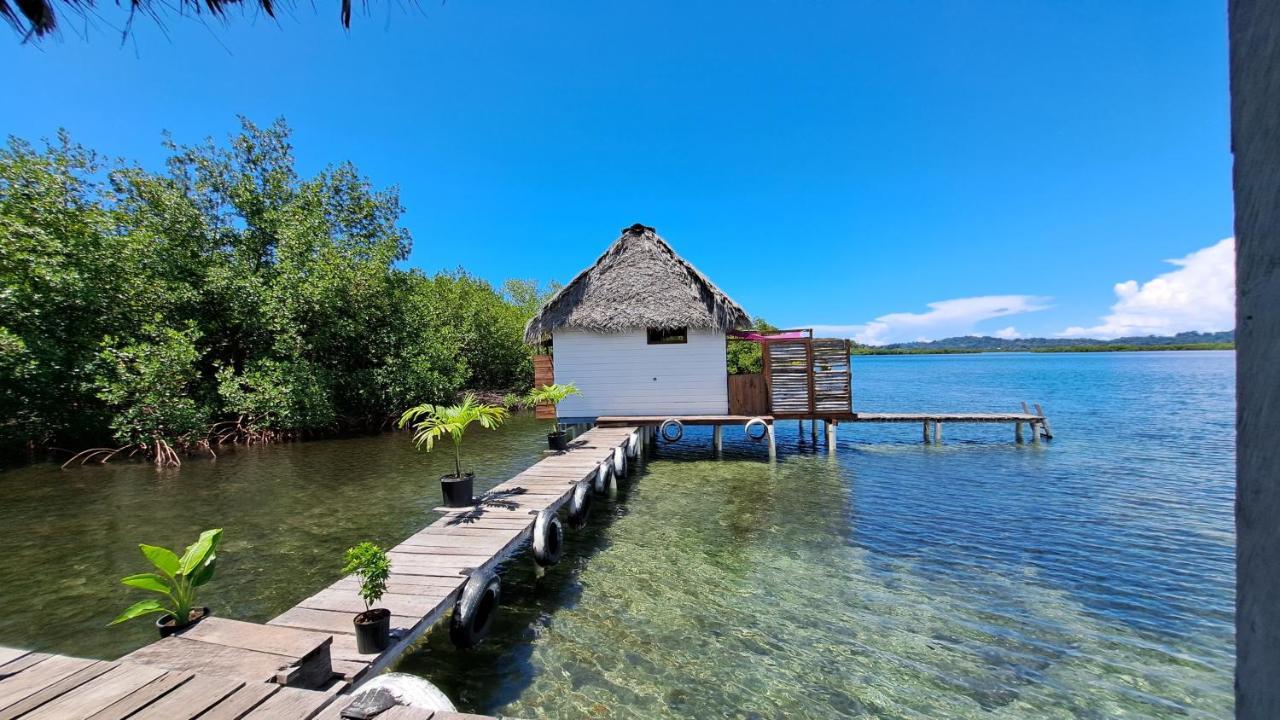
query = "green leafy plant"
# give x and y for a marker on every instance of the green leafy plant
(434, 422)
(553, 394)
(369, 563)
(176, 578)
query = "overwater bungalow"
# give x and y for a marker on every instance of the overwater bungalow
(643, 333)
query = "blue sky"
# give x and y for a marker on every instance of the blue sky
(890, 171)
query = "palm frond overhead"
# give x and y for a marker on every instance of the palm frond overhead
(37, 18)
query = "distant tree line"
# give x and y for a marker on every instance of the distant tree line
(225, 299)
(1223, 340)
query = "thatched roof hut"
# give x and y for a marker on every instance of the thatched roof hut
(639, 282)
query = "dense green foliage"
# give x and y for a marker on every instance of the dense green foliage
(225, 298)
(432, 423)
(744, 356)
(175, 579)
(369, 563)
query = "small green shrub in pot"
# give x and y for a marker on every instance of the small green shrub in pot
(434, 422)
(176, 579)
(553, 395)
(370, 565)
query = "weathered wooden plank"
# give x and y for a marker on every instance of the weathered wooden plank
(8, 654)
(54, 670)
(490, 543)
(333, 711)
(235, 705)
(404, 712)
(349, 670)
(143, 696)
(190, 699)
(407, 584)
(514, 521)
(289, 642)
(341, 600)
(290, 704)
(344, 650)
(411, 563)
(93, 696)
(460, 532)
(330, 621)
(13, 667)
(440, 550)
(180, 653)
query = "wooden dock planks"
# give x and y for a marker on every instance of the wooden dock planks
(430, 567)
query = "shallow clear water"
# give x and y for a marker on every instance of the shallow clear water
(1087, 577)
(288, 511)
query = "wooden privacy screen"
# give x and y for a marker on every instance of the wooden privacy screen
(543, 374)
(832, 377)
(808, 377)
(788, 368)
(748, 395)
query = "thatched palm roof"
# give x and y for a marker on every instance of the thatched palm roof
(639, 282)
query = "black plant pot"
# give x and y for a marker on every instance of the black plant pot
(458, 490)
(558, 440)
(167, 627)
(373, 631)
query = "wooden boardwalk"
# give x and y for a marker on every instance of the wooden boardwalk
(429, 569)
(38, 686)
(222, 669)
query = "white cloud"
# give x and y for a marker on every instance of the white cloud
(1009, 333)
(1199, 295)
(945, 318)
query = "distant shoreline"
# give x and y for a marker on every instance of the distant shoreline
(863, 350)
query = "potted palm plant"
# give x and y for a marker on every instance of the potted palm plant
(433, 422)
(176, 578)
(552, 395)
(369, 563)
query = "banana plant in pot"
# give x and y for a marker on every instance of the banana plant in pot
(176, 578)
(552, 395)
(369, 563)
(434, 422)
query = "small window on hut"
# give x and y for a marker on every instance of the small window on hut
(674, 336)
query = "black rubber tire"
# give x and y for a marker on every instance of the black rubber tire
(603, 480)
(475, 609)
(548, 539)
(580, 505)
(619, 462)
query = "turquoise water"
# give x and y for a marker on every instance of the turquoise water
(1087, 577)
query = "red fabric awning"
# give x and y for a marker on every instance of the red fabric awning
(762, 337)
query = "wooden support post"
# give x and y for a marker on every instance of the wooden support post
(1035, 431)
(773, 442)
(937, 432)
(1017, 431)
(800, 430)
(926, 432)
(831, 435)
(1044, 423)
(813, 431)
(716, 439)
